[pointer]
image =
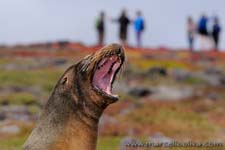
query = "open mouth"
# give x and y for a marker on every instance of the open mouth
(105, 74)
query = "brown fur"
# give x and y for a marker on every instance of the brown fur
(70, 118)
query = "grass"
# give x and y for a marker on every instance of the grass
(108, 143)
(4, 61)
(15, 143)
(174, 120)
(22, 98)
(194, 81)
(144, 64)
(34, 109)
(104, 143)
(45, 78)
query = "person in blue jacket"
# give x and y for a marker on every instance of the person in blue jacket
(202, 25)
(216, 32)
(204, 34)
(139, 27)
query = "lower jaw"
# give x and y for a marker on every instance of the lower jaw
(113, 97)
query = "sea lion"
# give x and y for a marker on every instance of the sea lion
(69, 120)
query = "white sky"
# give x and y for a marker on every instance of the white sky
(25, 21)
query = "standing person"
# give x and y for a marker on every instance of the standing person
(139, 27)
(123, 21)
(191, 29)
(216, 32)
(202, 25)
(100, 27)
(203, 31)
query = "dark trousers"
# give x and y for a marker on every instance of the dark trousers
(215, 40)
(100, 37)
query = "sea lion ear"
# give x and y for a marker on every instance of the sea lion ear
(64, 80)
(68, 76)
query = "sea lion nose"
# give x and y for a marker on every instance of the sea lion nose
(119, 50)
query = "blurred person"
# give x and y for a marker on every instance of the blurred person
(123, 21)
(100, 27)
(139, 27)
(203, 32)
(202, 25)
(216, 32)
(191, 29)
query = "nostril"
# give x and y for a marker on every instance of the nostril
(119, 50)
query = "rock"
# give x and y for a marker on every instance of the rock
(172, 93)
(180, 75)
(213, 71)
(36, 63)
(2, 116)
(34, 90)
(120, 87)
(16, 113)
(58, 62)
(16, 89)
(211, 79)
(139, 92)
(127, 110)
(213, 96)
(4, 102)
(10, 129)
(222, 80)
(157, 71)
(105, 119)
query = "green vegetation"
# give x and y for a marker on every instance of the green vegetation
(14, 143)
(194, 80)
(174, 120)
(143, 64)
(108, 143)
(19, 99)
(45, 78)
(34, 109)
(197, 119)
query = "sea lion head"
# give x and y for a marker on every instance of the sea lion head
(91, 79)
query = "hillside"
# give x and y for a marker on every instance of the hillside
(164, 94)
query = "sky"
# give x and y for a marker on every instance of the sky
(30, 21)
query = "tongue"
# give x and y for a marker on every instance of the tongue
(105, 83)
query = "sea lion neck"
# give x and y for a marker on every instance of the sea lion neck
(74, 106)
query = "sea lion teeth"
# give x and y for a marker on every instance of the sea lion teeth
(114, 95)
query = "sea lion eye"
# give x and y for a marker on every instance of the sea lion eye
(64, 80)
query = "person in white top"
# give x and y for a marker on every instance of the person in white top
(191, 30)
